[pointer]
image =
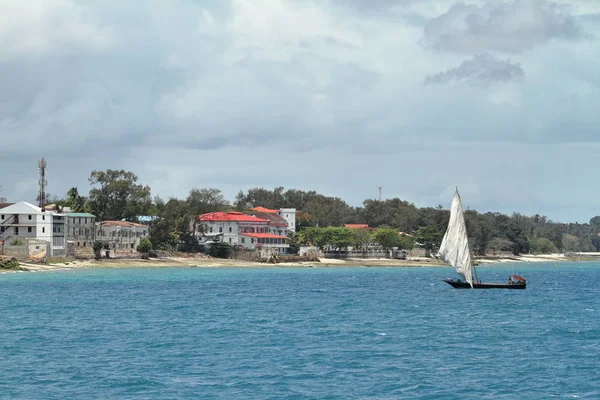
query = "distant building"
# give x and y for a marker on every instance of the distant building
(287, 216)
(23, 221)
(357, 226)
(278, 225)
(80, 229)
(246, 230)
(58, 234)
(121, 235)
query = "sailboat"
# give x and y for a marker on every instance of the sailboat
(455, 251)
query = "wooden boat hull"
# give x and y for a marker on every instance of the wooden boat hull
(480, 285)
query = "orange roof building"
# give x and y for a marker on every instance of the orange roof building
(259, 227)
(356, 226)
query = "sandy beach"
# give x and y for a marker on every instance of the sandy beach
(202, 261)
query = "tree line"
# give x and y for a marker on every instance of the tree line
(117, 195)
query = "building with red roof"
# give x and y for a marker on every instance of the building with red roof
(259, 227)
(356, 226)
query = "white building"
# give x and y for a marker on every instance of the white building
(289, 214)
(23, 221)
(121, 235)
(236, 228)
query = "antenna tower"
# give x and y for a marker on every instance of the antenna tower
(379, 187)
(43, 183)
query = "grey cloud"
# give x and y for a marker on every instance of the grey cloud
(499, 26)
(481, 69)
(204, 95)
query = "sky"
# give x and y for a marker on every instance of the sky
(499, 98)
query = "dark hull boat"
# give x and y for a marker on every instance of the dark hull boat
(457, 284)
(454, 250)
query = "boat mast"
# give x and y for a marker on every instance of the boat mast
(475, 271)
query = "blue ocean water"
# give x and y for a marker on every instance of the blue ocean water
(313, 333)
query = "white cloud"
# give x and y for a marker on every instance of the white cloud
(38, 27)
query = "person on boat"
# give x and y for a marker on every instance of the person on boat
(510, 280)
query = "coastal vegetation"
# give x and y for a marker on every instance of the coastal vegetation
(11, 264)
(144, 247)
(116, 194)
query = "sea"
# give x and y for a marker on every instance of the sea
(299, 333)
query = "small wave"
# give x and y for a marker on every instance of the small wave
(381, 333)
(589, 309)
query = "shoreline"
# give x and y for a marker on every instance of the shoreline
(207, 262)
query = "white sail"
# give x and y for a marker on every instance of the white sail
(454, 249)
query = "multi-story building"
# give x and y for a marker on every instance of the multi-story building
(22, 221)
(289, 214)
(257, 228)
(121, 235)
(80, 229)
(285, 216)
(58, 234)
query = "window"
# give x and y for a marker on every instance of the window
(29, 229)
(85, 220)
(2, 216)
(2, 229)
(43, 229)
(79, 220)
(229, 229)
(43, 217)
(229, 240)
(220, 229)
(243, 240)
(29, 217)
(83, 244)
(210, 230)
(77, 244)
(16, 231)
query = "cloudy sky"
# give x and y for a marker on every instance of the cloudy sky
(341, 96)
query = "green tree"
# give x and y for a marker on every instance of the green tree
(406, 242)
(339, 238)
(500, 244)
(542, 246)
(145, 246)
(171, 227)
(397, 213)
(119, 195)
(387, 237)
(220, 250)
(326, 211)
(76, 202)
(201, 201)
(429, 237)
(97, 246)
(363, 238)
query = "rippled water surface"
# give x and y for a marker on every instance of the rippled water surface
(377, 333)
